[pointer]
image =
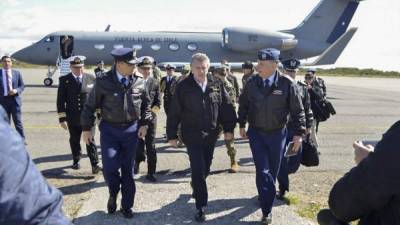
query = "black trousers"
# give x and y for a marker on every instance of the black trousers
(201, 153)
(147, 148)
(75, 133)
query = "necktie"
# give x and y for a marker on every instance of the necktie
(123, 81)
(9, 81)
(266, 83)
(78, 81)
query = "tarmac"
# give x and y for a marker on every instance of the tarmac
(365, 107)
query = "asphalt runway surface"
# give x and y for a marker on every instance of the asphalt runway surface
(366, 107)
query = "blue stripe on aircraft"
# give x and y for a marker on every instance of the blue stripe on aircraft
(343, 22)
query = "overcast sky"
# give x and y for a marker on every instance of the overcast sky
(375, 45)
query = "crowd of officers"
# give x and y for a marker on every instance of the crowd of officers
(200, 105)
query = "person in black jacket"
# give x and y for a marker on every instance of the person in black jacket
(124, 106)
(200, 104)
(291, 164)
(370, 192)
(99, 70)
(266, 102)
(72, 93)
(153, 89)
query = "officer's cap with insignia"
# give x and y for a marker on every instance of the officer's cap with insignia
(170, 66)
(146, 61)
(311, 70)
(291, 64)
(268, 54)
(127, 55)
(248, 65)
(77, 60)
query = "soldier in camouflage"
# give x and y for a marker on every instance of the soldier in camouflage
(221, 72)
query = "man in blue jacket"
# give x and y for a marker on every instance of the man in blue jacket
(11, 88)
(25, 196)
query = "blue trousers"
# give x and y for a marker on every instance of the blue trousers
(118, 149)
(201, 154)
(267, 150)
(13, 111)
(288, 165)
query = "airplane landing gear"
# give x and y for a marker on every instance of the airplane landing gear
(48, 81)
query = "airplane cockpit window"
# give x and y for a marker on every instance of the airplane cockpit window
(49, 39)
(137, 47)
(192, 47)
(99, 46)
(155, 47)
(174, 46)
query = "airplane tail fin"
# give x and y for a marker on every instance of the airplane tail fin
(107, 28)
(327, 22)
(331, 54)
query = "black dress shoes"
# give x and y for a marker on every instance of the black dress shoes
(151, 178)
(76, 166)
(96, 169)
(267, 219)
(200, 216)
(127, 213)
(112, 204)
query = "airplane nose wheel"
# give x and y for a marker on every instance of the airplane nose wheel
(47, 82)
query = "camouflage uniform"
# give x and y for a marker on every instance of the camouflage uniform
(230, 146)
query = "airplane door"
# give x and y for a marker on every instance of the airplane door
(66, 46)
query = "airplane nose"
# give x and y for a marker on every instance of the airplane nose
(21, 55)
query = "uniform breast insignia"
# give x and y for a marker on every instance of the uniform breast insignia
(90, 85)
(215, 89)
(277, 92)
(115, 94)
(135, 91)
(67, 81)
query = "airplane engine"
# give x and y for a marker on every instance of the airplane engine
(250, 40)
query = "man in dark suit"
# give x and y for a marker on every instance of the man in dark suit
(72, 94)
(11, 89)
(165, 84)
(153, 89)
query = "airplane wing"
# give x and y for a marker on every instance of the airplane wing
(331, 54)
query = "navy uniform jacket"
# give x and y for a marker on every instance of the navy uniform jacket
(25, 196)
(305, 98)
(166, 88)
(17, 83)
(371, 191)
(117, 104)
(71, 97)
(200, 113)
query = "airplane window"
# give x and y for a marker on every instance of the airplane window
(49, 39)
(118, 46)
(174, 46)
(137, 47)
(192, 46)
(156, 47)
(99, 47)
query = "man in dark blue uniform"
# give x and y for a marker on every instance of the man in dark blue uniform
(165, 84)
(25, 196)
(11, 88)
(291, 164)
(153, 89)
(200, 104)
(124, 109)
(266, 102)
(72, 93)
